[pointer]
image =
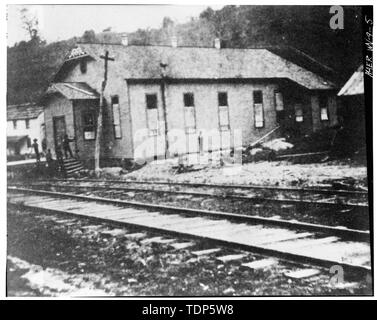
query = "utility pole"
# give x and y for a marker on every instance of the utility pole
(163, 97)
(97, 150)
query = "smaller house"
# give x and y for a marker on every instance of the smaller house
(352, 111)
(25, 122)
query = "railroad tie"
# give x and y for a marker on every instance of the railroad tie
(260, 264)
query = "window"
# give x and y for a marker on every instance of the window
(89, 126)
(223, 99)
(188, 99)
(27, 124)
(279, 104)
(152, 114)
(189, 111)
(258, 109)
(324, 112)
(299, 114)
(15, 124)
(151, 100)
(258, 97)
(83, 66)
(116, 117)
(223, 111)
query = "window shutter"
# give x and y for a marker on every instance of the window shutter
(258, 114)
(190, 119)
(152, 119)
(116, 120)
(224, 118)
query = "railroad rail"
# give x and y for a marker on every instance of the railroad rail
(295, 241)
(342, 198)
(224, 186)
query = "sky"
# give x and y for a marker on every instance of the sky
(60, 22)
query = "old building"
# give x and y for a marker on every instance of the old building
(352, 112)
(182, 98)
(25, 122)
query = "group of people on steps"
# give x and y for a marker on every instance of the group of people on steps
(64, 147)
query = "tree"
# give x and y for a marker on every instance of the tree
(29, 23)
(89, 36)
(167, 23)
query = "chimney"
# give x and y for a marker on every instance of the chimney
(125, 39)
(174, 42)
(217, 43)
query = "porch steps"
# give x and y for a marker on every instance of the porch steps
(72, 166)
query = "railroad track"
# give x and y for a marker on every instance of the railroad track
(312, 244)
(343, 199)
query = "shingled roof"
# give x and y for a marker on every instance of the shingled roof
(23, 111)
(143, 62)
(355, 84)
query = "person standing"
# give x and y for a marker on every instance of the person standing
(67, 147)
(50, 162)
(36, 149)
(59, 157)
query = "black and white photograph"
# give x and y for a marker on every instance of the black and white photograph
(177, 150)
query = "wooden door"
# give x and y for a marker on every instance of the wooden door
(59, 130)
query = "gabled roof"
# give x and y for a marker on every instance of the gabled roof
(355, 84)
(73, 90)
(23, 111)
(143, 62)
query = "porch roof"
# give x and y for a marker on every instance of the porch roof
(73, 90)
(15, 139)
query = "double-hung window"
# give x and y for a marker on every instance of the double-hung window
(299, 113)
(189, 112)
(258, 109)
(152, 113)
(323, 107)
(222, 98)
(89, 126)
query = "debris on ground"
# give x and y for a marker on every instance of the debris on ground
(277, 173)
(277, 144)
